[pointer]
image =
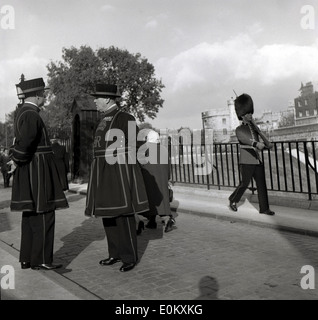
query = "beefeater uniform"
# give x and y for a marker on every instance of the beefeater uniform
(251, 165)
(36, 188)
(116, 191)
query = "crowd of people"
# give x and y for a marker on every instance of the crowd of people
(123, 188)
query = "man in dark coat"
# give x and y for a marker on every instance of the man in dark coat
(5, 167)
(62, 162)
(36, 189)
(251, 165)
(116, 190)
(156, 172)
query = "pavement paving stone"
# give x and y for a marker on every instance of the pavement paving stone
(205, 258)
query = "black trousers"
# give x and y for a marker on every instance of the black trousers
(37, 237)
(249, 171)
(122, 238)
(6, 178)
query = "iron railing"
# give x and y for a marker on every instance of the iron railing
(290, 166)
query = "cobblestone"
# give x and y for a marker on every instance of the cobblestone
(204, 258)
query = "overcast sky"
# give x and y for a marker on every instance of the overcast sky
(201, 49)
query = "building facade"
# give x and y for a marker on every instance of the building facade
(223, 122)
(306, 105)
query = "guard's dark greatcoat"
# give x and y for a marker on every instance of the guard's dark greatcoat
(36, 185)
(36, 188)
(115, 189)
(156, 173)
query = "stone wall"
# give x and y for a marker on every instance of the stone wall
(297, 133)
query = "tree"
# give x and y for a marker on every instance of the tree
(7, 131)
(82, 68)
(287, 121)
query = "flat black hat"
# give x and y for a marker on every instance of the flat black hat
(243, 105)
(105, 90)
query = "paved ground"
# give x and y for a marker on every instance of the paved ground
(203, 259)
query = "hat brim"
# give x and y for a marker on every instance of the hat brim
(104, 94)
(35, 89)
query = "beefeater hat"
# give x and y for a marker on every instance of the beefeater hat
(32, 85)
(103, 90)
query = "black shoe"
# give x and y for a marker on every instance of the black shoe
(127, 266)
(233, 206)
(268, 212)
(141, 226)
(151, 225)
(170, 224)
(45, 266)
(25, 265)
(109, 261)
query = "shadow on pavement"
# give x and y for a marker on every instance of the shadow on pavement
(209, 288)
(77, 241)
(4, 222)
(146, 236)
(307, 251)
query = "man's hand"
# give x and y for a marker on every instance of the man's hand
(13, 166)
(260, 146)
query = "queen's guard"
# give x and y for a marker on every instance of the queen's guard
(251, 165)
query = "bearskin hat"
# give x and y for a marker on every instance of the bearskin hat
(243, 105)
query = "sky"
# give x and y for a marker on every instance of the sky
(202, 50)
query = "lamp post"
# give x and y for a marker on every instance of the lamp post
(20, 93)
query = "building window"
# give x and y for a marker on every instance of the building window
(306, 102)
(224, 120)
(315, 112)
(224, 132)
(300, 114)
(307, 113)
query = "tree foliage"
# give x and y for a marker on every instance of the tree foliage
(81, 68)
(7, 131)
(287, 121)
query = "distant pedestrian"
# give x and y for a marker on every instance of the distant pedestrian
(251, 165)
(62, 162)
(116, 190)
(5, 167)
(36, 188)
(156, 173)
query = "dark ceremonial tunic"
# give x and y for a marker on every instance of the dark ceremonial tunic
(62, 163)
(36, 185)
(115, 189)
(248, 138)
(156, 173)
